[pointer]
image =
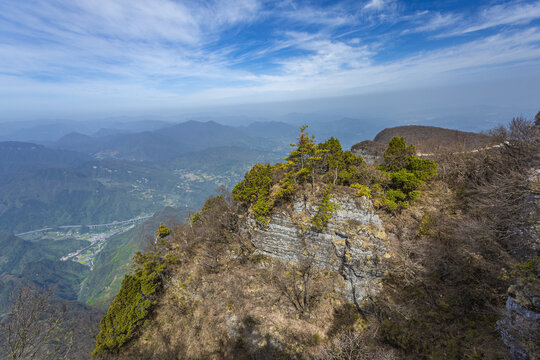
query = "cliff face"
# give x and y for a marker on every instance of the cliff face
(352, 244)
(520, 326)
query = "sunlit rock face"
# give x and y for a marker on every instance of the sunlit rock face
(352, 243)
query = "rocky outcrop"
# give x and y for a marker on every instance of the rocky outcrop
(352, 244)
(520, 328)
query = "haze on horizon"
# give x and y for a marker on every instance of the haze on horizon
(407, 60)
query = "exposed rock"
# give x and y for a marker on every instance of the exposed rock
(520, 328)
(352, 243)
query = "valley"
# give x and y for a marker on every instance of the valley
(75, 211)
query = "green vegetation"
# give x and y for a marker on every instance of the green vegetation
(113, 261)
(363, 190)
(135, 299)
(37, 263)
(162, 231)
(440, 297)
(325, 210)
(407, 173)
(527, 270)
(397, 153)
(393, 184)
(255, 189)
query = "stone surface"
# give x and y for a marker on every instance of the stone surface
(352, 244)
(520, 326)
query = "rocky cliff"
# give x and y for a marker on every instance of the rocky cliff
(520, 326)
(327, 257)
(352, 244)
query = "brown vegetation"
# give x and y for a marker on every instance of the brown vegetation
(35, 327)
(452, 255)
(427, 140)
(447, 284)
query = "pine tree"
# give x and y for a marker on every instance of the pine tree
(306, 156)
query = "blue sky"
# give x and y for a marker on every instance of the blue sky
(66, 58)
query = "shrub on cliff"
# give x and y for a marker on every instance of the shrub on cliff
(406, 174)
(134, 301)
(397, 154)
(255, 189)
(340, 167)
(325, 210)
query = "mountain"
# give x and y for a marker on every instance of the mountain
(333, 258)
(163, 144)
(223, 159)
(426, 139)
(51, 197)
(76, 141)
(435, 139)
(101, 191)
(202, 135)
(16, 252)
(47, 131)
(19, 157)
(37, 264)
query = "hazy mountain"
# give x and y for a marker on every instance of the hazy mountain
(275, 130)
(48, 131)
(16, 157)
(165, 143)
(108, 132)
(51, 197)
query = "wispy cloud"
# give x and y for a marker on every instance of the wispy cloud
(436, 21)
(512, 13)
(504, 14)
(194, 52)
(375, 4)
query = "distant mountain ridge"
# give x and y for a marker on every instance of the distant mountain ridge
(164, 143)
(48, 131)
(426, 139)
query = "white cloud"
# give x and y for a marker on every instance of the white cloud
(375, 5)
(168, 52)
(513, 13)
(437, 21)
(305, 78)
(325, 57)
(507, 14)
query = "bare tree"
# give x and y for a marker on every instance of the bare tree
(301, 284)
(355, 346)
(34, 327)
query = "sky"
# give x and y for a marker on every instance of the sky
(99, 58)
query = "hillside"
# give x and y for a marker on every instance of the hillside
(114, 260)
(101, 191)
(37, 264)
(19, 157)
(328, 257)
(426, 139)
